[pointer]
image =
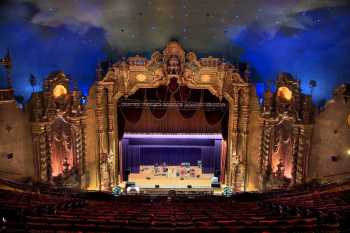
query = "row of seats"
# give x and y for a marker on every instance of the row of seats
(301, 212)
(144, 214)
(330, 207)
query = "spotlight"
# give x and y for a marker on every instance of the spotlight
(348, 152)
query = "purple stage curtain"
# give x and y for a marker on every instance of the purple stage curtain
(136, 153)
(211, 157)
(170, 156)
(131, 157)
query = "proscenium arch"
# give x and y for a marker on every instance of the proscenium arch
(221, 79)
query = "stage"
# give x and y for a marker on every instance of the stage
(171, 177)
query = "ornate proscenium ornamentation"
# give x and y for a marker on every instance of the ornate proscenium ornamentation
(173, 67)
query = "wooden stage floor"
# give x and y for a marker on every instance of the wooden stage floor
(175, 177)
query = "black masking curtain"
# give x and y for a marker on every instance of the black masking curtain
(213, 116)
(120, 124)
(133, 114)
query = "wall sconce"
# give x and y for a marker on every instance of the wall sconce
(348, 152)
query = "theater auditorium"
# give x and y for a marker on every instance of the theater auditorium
(169, 139)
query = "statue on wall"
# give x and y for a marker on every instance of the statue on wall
(61, 149)
(282, 156)
(155, 62)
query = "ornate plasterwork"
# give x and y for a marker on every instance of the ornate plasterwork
(280, 117)
(172, 67)
(48, 111)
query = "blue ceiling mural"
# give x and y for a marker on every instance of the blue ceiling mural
(310, 38)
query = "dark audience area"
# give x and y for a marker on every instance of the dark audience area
(316, 209)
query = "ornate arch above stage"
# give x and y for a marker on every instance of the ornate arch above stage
(173, 67)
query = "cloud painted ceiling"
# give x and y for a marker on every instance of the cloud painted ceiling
(310, 38)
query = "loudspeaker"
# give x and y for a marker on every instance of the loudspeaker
(126, 174)
(129, 184)
(189, 186)
(217, 173)
(215, 185)
(157, 186)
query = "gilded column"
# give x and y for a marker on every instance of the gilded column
(40, 149)
(243, 126)
(100, 130)
(83, 124)
(266, 147)
(112, 147)
(303, 153)
(232, 132)
(296, 147)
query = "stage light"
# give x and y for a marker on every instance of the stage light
(348, 152)
(173, 136)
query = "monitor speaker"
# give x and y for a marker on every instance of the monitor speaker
(157, 186)
(129, 184)
(189, 186)
(126, 174)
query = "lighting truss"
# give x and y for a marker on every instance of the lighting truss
(208, 106)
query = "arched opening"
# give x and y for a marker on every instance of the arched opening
(172, 137)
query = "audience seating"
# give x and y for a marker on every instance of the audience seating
(279, 211)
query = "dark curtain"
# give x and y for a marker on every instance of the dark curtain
(186, 95)
(133, 114)
(120, 123)
(160, 94)
(211, 116)
(224, 124)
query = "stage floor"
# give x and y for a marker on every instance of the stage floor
(173, 178)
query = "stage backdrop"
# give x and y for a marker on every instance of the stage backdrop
(172, 151)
